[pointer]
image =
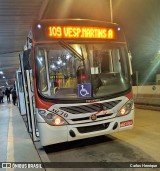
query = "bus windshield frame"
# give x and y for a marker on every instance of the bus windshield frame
(64, 68)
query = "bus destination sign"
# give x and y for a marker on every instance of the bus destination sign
(80, 32)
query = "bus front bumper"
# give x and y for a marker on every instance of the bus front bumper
(57, 134)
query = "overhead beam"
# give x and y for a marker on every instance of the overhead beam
(43, 8)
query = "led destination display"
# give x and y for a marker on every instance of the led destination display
(80, 32)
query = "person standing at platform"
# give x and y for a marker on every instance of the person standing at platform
(7, 93)
(1, 96)
(14, 96)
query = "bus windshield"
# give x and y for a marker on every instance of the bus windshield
(65, 69)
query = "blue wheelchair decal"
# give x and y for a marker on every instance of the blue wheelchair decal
(84, 90)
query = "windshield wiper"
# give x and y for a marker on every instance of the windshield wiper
(70, 48)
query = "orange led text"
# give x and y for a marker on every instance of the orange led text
(80, 32)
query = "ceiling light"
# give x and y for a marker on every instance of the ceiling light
(39, 26)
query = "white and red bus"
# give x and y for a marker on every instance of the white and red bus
(81, 71)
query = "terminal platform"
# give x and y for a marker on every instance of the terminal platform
(15, 142)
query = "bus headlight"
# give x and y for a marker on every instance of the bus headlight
(54, 120)
(126, 108)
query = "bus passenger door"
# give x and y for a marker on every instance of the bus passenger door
(26, 117)
(33, 121)
(20, 93)
(29, 118)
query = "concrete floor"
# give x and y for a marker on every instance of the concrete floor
(140, 144)
(146, 133)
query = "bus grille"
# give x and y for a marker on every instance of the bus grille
(89, 108)
(87, 118)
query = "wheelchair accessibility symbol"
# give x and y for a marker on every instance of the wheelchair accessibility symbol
(84, 90)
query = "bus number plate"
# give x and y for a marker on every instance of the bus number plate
(126, 123)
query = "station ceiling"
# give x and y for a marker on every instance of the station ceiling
(16, 17)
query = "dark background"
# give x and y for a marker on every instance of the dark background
(140, 20)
